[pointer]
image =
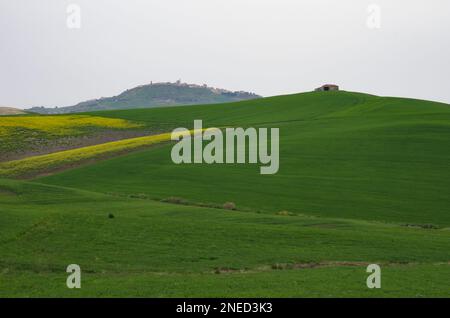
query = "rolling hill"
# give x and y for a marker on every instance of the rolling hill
(154, 95)
(363, 179)
(341, 155)
(10, 111)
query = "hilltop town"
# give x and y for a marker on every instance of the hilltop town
(155, 94)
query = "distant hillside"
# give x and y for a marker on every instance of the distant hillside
(154, 95)
(10, 111)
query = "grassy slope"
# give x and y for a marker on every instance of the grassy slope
(345, 158)
(156, 249)
(342, 155)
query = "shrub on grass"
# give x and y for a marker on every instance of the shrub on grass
(138, 196)
(423, 226)
(175, 200)
(229, 206)
(285, 213)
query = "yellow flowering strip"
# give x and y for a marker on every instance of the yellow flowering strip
(61, 125)
(36, 164)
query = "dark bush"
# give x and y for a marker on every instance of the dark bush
(286, 213)
(138, 196)
(175, 200)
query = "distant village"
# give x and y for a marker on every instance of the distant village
(181, 84)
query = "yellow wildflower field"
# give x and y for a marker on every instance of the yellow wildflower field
(61, 125)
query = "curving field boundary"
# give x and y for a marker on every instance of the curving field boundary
(35, 165)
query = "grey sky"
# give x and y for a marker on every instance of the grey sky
(269, 47)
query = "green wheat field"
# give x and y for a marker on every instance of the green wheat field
(362, 180)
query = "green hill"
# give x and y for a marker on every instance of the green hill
(154, 95)
(363, 179)
(342, 154)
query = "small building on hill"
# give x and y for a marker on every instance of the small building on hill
(327, 87)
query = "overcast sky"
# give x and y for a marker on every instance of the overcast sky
(269, 47)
